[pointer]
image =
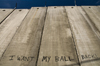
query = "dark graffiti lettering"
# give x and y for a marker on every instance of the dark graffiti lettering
(89, 56)
(11, 57)
(63, 58)
(46, 58)
(21, 58)
(56, 58)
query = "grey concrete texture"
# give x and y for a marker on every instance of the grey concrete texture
(4, 13)
(87, 42)
(9, 27)
(50, 36)
(57, 39)
(26, 40)
(94, 15)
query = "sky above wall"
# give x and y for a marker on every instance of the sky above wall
(41, 3)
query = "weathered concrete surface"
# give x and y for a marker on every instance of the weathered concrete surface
(25, 44)
(57, 40)
(9, 27)
(87, 42)
(52, 38)
(90, 22)
(94, 14)
(4, 13)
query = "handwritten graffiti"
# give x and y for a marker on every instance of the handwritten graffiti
(89, 56)
(21, 58)
(63, 58)
(57, 58)
(46, 58)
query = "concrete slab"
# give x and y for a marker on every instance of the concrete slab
(22, 42)
(93, 13)
(4, 13)
(23, 49)
(9, 27)
(90, 22)
(57, 47)
(87, 42)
